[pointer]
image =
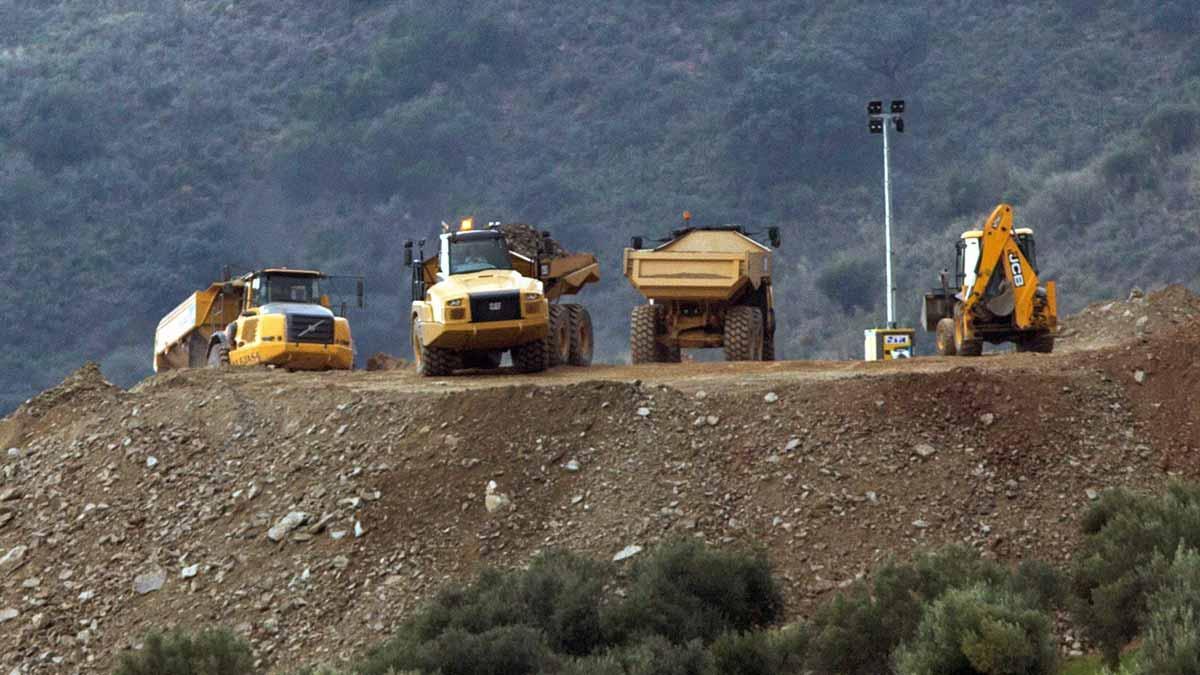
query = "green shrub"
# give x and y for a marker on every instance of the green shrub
(1173, 128)
(1172, 637)
(211, 652)
(858, 633)
(760, 652)
(684, 591)
(1113, 575)
(1129, 168)
(1073, 199)
(851, 282)
(980, 630)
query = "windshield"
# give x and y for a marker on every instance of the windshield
(476, 255)
(289, 288)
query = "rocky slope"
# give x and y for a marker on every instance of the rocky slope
(311, 513)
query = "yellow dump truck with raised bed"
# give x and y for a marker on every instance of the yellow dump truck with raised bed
(476, 298)
(706, 287)
(275, 316)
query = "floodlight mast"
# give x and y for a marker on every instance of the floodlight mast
(879, 123)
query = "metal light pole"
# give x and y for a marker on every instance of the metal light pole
(879, 124)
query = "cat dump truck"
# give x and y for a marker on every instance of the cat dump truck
(476, 298)
(278, 317)
(997, 296)
(705, 287)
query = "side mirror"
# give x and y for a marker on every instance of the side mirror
(325, 301)
(637, 243)
(773, 235)
(362, 290)
(408, 257)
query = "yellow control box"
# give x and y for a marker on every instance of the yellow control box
(888, 344)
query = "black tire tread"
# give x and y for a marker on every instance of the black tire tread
(643, 323)
(743, 334)
(530, 357)
(581, 347)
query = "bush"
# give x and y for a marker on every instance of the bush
(983, 630)
(1129, 168)
(859, 632)
(1172, 638)
(683, 591)
(852, 282)
(1074, 199)
(760, 653)
(1173, 128)
(211, 652)
(1113, 575)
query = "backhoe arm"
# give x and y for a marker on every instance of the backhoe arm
(999, 253)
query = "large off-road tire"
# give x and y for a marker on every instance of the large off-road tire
(530, 357)
(643, 326)
(944, 337)
(582, 344)
(558, 339)
(743, 334)
(1041, 343)
(432, 361)
(963, 346)
(218, 355)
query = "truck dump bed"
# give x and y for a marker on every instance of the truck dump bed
(699, 265)
(181, 340)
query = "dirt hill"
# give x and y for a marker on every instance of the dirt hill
(122, 511)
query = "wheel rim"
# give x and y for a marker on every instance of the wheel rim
(564, 342)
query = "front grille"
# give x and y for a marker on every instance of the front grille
(495, 306)
(315, 329)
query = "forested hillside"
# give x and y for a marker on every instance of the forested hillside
(146, 143)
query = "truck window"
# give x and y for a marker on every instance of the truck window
(477, 255)
(289, 288)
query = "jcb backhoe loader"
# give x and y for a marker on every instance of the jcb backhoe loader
(997, 296)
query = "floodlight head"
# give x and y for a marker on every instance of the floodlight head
(899, 121)
(876, 126)
(875, 108)
(898, 107)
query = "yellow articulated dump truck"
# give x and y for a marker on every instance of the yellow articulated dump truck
(476, 298)
(705, 287)
(277, 316)
(997, 295)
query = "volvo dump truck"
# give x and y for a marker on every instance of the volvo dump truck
(997, 295)
(476, 299)
(706, 287)
(276, 316)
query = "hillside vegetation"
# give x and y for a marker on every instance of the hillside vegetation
(145, 144)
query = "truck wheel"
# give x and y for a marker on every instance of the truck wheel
(743, 334)
(1041, 343)
(530, 357)
(218, 355)
(642, 327)
(558, 338)
(581, 335)
(432, 361)
(944, 337)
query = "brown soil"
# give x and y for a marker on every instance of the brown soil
(850, 463)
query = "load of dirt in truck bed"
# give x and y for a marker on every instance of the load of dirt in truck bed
(524, 239)
(1140, 314)
(312, 512)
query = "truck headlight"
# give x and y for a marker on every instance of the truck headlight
(457, 302)
(533, 297)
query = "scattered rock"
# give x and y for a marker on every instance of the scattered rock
(771, 397)
(494, 500)
(10, 494)
(627, 552)
(151, 462)
(383, 361)
(712, 420)
(643, 412)
(1139, 376)
(920, 524)
(190, 571)
(987, 419)
(1092, 494)
(9, 614)
(149, 581)
(13, 559)
(924, 450)
(792, 444)
(14, 453)
(286, 524)
(572, 466)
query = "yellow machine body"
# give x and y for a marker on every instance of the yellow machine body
(240, 323)
(998, 296)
